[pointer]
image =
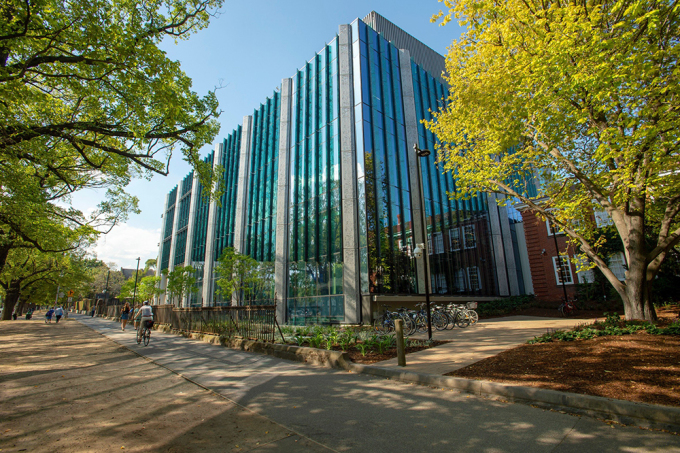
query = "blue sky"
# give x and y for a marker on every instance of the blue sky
(248, 48)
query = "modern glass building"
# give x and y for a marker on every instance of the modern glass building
(323, 186)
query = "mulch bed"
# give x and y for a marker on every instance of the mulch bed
(639, 367)
(373, 357)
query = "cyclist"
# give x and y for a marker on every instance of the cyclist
(146, 315)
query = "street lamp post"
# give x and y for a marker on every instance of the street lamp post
(134, 293)
(424, 153)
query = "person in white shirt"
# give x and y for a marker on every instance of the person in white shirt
(59, 312)
(146, 313)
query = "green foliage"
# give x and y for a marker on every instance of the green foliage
(364, 348)
(506, 305)
(244, 276)
(181, 282)
(612, 325)
(583, 98)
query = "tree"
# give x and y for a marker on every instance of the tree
(181, 282)
(237, 274)
(581, 98)
(91, 103)
(147, 287)
(95, 99)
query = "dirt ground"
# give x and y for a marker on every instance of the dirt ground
(640, 367)
(65, 388)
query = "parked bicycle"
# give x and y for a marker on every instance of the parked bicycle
(567, 307)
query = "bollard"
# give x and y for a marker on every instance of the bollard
(399, 329)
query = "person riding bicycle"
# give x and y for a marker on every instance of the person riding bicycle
(146, 315)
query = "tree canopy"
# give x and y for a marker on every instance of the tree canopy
(571, 108)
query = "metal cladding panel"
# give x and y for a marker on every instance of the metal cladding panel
(427, 58)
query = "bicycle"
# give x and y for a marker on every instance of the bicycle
(567, 307)
(144, 332)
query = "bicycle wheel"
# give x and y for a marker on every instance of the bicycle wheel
(379, 323)
(439, 321)
(147, 337)
(409, 325)
(463, 319)
(474, 317)
(421, 323)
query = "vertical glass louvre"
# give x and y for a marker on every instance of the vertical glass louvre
(167, 230)
(183, 219)
(385, 219)
(315, 269)
(260, 232)
(226, 210)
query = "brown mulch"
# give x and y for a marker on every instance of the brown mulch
(373, 357)
(639, 367)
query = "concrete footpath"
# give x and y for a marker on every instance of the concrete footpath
(472, 344)
(347, 411)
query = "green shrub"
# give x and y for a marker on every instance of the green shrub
(506, 305)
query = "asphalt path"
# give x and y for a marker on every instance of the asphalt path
(344, 411)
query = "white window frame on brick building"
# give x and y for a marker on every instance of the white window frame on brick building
(566, 266)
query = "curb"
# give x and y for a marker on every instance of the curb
(620, 411)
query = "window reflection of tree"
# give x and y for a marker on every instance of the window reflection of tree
(391, 268)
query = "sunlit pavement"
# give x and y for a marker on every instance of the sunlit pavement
(345, 411)
(474, 343)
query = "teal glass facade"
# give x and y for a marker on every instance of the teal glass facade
(336, 238)
(226, 210)
(385, 216)
(315, 269)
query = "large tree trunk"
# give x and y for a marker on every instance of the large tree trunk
(11, 298)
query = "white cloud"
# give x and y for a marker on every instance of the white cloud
(125, 243)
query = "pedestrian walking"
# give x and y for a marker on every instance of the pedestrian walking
(49, 314)
(125, 315)
(59, 312)
(135, 316)
(92, 312)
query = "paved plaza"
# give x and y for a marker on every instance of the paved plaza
(70, 388)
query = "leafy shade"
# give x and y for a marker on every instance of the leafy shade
(574, 107)
(87, 98)
(181, 282)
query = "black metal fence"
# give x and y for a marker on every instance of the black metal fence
(252, 322)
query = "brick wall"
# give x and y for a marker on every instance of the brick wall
(541, 250)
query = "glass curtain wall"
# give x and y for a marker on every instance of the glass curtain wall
(167, 231)
(260, 237)
(183, 219)
(458, 231)
(385, 217)
(200, 234)
(225, 215)
(315, 268)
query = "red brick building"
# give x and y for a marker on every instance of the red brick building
(547, 270)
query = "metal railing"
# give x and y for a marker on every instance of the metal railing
(256, 322)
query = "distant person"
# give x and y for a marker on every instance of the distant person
(124, 316)
(49, 314)
(59, 312)
(136, 314)
(92, 311)
(29, 314)
(14, 316)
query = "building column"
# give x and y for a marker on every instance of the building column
(351, 285)
(164, 281)
(411, 122)
(282, 202)
(242, 191)
(191, 227)
(208, 265)
(506, 271)
(173, 240)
